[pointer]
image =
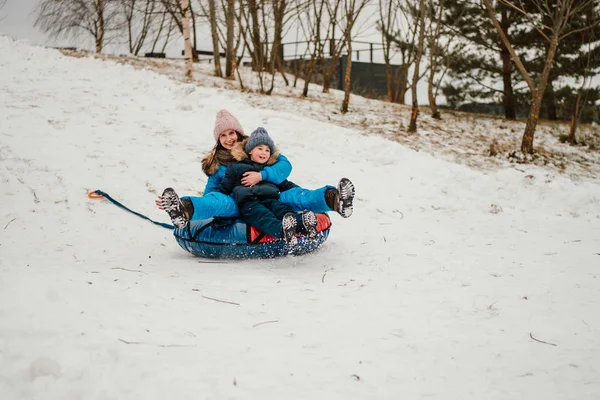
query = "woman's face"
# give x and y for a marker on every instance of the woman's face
(228, 138)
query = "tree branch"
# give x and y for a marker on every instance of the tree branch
(511, 50)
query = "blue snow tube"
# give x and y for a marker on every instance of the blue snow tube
(233, 238)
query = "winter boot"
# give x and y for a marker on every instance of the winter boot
(340, 199)
(172, 205)
(289, 224)
(309, 221)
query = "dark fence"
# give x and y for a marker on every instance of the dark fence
(367, 79)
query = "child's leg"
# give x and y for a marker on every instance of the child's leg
(306, 222)
(261, 217)
(212, 204)
(278, 208)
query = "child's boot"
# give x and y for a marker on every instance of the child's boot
(309, 221)
(289, 224)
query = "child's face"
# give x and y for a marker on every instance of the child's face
(228, 138)
(260, 153)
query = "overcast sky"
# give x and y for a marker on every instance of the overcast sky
(17, 18)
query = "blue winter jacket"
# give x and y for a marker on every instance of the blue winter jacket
(276, 173)
(232, 183)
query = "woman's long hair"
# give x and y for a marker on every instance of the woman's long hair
(218, 156)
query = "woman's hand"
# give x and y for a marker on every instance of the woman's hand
(159, 202)
(251, 178)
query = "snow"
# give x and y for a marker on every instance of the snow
(435, 287)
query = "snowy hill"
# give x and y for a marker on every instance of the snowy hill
(447, 282)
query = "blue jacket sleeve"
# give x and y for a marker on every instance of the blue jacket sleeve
(214, 180)
(277, 172)
(227, 183)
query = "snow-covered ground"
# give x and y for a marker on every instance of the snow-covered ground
(448, 282)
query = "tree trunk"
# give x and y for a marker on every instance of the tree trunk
(532, 120)
(172, 25)
(575, 119)
(390, 82)
(329, 71)
(192, 16)
(412, 127)
(186, 39)
(162, 24)
(307, 75)
(572, 130)
(508, 99)
(257, 51)
(385, 26)
(230, 51)
(215, 39)
(401, 86)
(433, 59)
(551, 102)
(100, 29)
(347, 79)
(128, 18)
(536, 101)
(278, 14)
(281, 69)
(435, 112)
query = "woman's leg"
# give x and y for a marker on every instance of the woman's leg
(327, 198)
(211, 205)
(301, 199)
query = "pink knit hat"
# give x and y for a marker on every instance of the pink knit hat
(224, 122)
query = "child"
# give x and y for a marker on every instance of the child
(259, 205)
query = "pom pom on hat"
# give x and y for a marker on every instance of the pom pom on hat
(258, 137)
(224, 122)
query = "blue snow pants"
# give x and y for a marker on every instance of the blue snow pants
(299, 199)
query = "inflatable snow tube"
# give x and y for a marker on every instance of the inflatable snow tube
(233, 238)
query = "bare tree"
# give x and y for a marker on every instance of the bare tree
(283, 12)
(591, 60)
(310, 20)
(258, 58)
(559, 14)
(402, 33)
(185, 21)
(247, 28)
(352, 10)
(139, 19)
(388, 22)
(176, 10)
(215, 37)
(434, 52)
(230, 49)
(67, 18)
(414, 113)
(335, 46)
(159, 33)
(2, 3)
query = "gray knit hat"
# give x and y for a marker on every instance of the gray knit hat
(258, 137)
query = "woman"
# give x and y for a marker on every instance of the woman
(227, 132)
